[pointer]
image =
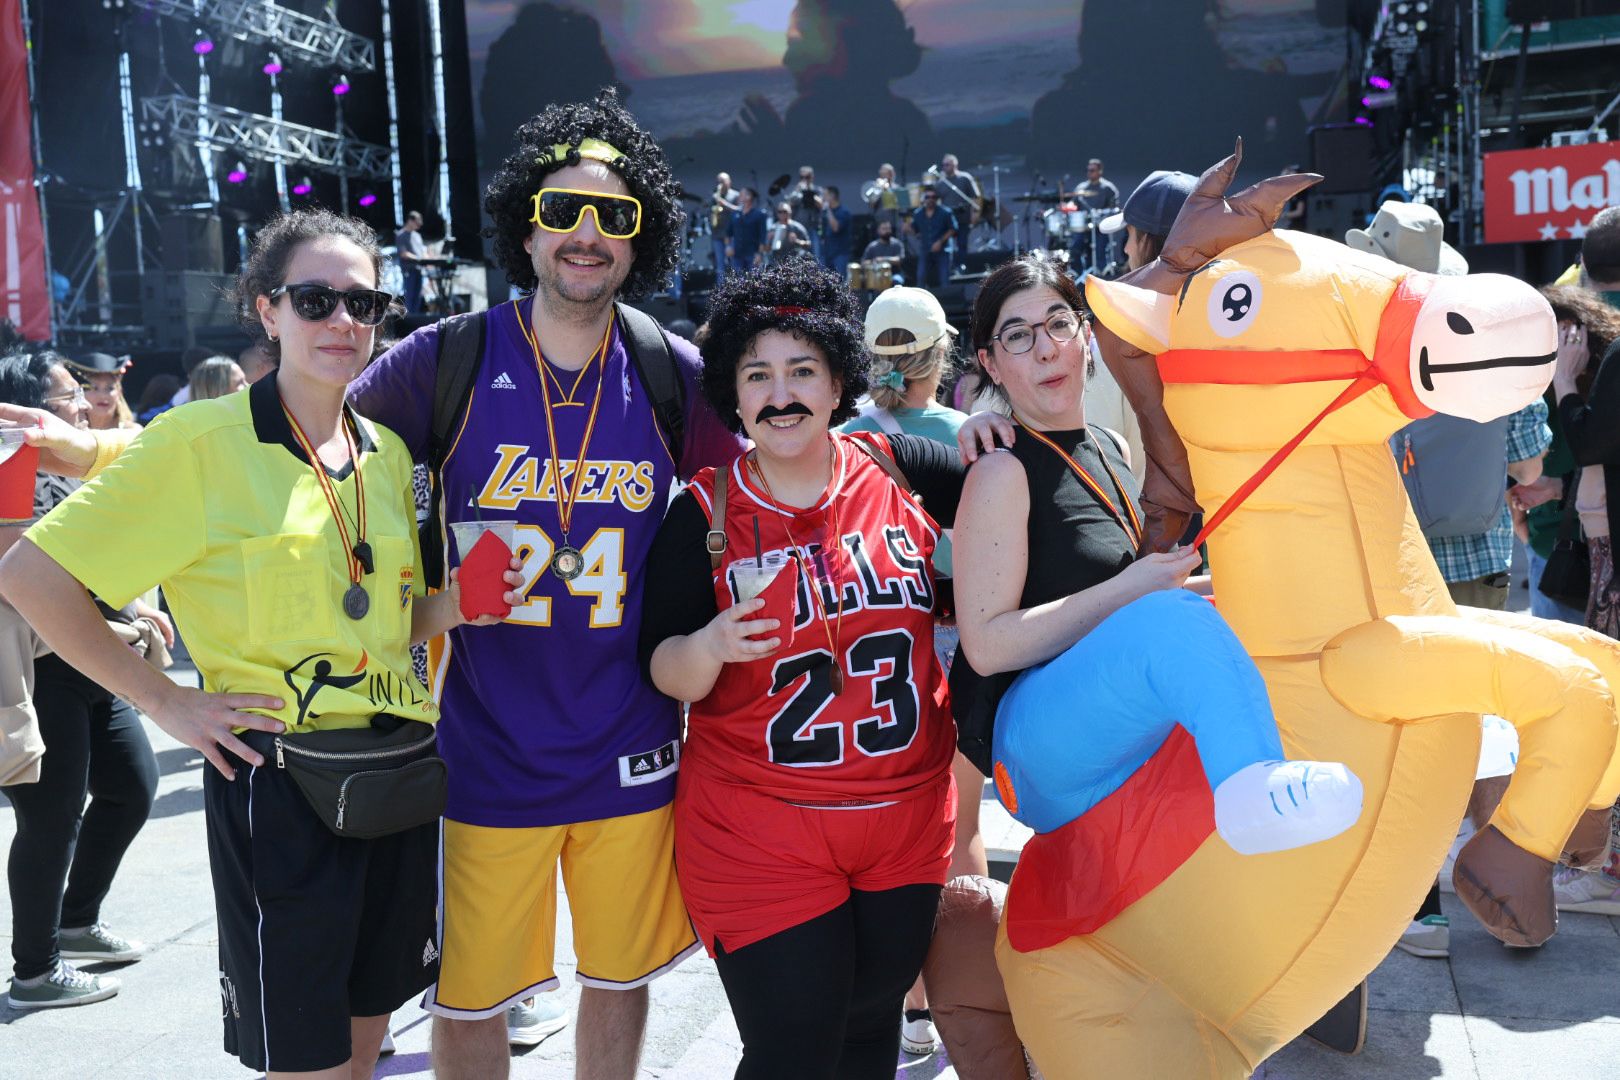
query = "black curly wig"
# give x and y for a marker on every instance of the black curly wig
(797, 297)
(508, 199)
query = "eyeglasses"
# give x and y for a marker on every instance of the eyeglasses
(1061, 327)
(312, 302)
(561, 210)
(75, 398)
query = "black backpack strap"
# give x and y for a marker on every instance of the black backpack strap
(461, 351)
(655, 362)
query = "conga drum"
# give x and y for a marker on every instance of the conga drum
(857, 276)
(879, 275)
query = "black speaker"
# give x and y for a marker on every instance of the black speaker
(1343, 154)
(192, 242)
(186, 308)
(1334, 215)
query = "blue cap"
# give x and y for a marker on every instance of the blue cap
(1153, 206)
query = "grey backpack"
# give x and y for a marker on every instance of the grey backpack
(1455, 471)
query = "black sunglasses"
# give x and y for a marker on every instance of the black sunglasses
(312, 302)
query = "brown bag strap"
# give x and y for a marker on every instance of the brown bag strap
(887, 464)
(716, 540)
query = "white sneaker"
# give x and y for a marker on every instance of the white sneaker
(1278, 805)
(1592, 891)
(917, 1034)
(528, 1023)
(1429, 936)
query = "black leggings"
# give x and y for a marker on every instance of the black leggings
(94, 744)
(822, 1000)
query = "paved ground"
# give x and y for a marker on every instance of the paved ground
(1487, 1013)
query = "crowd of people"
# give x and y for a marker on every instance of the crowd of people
(798, 816)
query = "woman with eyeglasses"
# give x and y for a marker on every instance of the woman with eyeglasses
(1080, 655)
(282, 529)
(64, 855)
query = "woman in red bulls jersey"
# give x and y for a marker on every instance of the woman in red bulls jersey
(815, 808)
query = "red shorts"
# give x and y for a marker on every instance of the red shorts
(751, 865)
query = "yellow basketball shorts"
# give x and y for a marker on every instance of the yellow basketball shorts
(498, 925)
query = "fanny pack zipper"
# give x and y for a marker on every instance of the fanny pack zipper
(355, 755)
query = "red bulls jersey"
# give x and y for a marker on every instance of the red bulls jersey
(776, 723)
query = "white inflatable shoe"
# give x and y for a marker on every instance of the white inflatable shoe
(1277, 805)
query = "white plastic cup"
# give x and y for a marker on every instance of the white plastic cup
(753, 578)
(468, 533)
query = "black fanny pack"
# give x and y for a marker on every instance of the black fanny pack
(363, 782)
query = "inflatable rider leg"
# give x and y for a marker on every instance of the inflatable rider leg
(1071, 731)
(965, 992)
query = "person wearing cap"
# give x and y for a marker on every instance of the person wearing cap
(913, 348)
(935, 228)
(1148, 214)
(1462, 458)
(410, 251)
(103, 380)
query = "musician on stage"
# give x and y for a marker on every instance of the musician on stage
(788, 239)
(837, 232)
(958, 190)
(723, 206)
(881, 197)
(410, 251)
(806, 202)
(1097, 193)
(934, 227)
(745, 234)
(886, 249)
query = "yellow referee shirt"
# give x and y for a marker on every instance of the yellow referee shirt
(216, 502)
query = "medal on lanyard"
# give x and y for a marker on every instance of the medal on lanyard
(357, 554)
(568, 562)
(1127, 519)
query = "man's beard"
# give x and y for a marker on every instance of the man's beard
(553, 288)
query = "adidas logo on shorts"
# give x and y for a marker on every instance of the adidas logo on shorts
(429, 953)
(503, 381)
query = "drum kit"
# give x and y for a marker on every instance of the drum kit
(873, 276)
(1073, 232)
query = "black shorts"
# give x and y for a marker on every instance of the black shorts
(313, 929)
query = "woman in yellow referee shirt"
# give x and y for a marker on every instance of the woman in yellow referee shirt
(282, 528)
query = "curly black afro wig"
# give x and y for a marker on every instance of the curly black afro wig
(797, 297)
(507, 200)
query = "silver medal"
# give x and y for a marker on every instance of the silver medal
(356, 603)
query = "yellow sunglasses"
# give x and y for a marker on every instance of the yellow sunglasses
(560, 210)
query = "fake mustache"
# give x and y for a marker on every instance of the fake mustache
(771, 412)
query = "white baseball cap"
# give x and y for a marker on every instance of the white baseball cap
(906, 308)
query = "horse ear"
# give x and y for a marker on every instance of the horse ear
(1139, 316)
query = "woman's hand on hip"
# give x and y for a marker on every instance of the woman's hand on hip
(203, 721)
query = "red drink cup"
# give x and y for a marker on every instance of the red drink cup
(486, 554)
(19, 463)
(777, 582)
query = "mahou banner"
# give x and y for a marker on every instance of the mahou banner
(1549, 194)
(23, 296)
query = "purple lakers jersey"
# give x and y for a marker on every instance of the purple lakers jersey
(547, 719)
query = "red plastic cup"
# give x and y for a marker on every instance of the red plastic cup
(486, 555)
(19, 463)
(777, 583)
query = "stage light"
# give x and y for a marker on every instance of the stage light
(1421, 25)
(239, 174)
(1378, 82)
(303, 187)
(203, 46)
(341, 87)
(368, 199)
(273, 67)
(1364, 121)
(113, 5)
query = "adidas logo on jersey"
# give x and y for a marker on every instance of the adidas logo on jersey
(503, 381)
(429, 953)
